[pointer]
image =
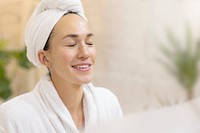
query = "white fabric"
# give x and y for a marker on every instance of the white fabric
(183, 118)
(42, 21)
(42, 111)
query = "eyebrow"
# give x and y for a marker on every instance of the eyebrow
(76, 35)
(90, 34)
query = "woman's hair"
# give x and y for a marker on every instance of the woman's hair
(47, 45)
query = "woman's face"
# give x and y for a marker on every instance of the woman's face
(71, 55)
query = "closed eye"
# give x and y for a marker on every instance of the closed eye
(89, 44)
(71, 45)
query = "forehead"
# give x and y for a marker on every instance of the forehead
(71, 24)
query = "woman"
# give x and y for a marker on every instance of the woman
(63, 101)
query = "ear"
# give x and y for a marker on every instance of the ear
(43, 58)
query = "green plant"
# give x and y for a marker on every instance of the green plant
(5, 57)
(184, 58)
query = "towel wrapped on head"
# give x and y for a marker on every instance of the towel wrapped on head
(42, 21)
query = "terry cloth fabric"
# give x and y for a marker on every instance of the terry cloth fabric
(42, 110)
(42, 21)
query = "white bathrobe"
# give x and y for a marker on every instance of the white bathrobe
(42, 111)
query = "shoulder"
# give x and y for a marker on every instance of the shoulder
(106, 100)
(103, 94)
(21, 100)
(16, 107)
(20, 114)
(106, 93)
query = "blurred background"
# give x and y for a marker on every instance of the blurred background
(148, 50)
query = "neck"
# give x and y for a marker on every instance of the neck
(72, 97)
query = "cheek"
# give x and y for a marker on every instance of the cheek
(66, 57)
(61, 58)
(93, 53)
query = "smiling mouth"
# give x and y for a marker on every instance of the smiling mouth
(84, 67)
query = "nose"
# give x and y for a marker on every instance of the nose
(83, 51)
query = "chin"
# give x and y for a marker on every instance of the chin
(85, 80)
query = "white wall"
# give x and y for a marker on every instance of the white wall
(126, 33)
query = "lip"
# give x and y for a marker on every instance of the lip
(82, 67)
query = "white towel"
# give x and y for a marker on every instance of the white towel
(42, 110)
(42, 21)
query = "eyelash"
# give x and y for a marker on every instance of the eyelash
(72, 45)
(90, 44)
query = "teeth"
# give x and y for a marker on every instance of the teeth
(82, 66)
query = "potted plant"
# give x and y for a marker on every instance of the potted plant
(5, 57)
(184, 58)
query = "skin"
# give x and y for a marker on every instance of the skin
(70, 60)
